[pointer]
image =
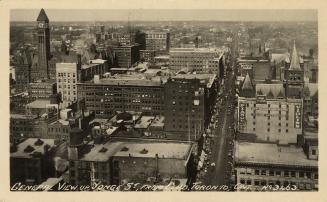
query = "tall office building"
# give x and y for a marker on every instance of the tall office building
(158, 41)
(41, 69)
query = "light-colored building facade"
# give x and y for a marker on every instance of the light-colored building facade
(194, 59)
(158, 41)
(268, 114)
(67, 77)
(272, 120)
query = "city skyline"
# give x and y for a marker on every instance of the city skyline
(62, 15)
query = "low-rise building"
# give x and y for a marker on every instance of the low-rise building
(259, 165)
(119, 161)
(31, 161)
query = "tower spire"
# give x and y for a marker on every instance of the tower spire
(295, 62)
(42, 16)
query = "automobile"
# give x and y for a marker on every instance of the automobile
(213, 164)
(229, 154)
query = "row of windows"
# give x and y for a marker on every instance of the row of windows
(283, 173)
(279, 124)
(58, 130)
(254, 105)
(279, 130)
(64, 74)
(68, 80)
(68, 87)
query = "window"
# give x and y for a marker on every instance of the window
(286, 130)
(286, 173)
(301, 174)
(242, 181)
(253, 122)
(256, 182)
(293, 174)
(268, 130)
(263, 172)
(248, 182)
(278, 173)
(313, 152)
(316, 176)
(308, 175)
(271, 173)
(253, 129)
(256, 172)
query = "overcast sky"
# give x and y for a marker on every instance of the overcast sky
(165, 15)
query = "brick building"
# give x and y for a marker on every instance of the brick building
(108, 95)
(188, 104)
(258, 165)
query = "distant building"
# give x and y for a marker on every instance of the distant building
(127, 55)
(259, 165)
(310, 100)
(157, 41)
(147, 55)
(67, 78)
(201, 60)
(23, 70)
(258, 69)
(43, 89)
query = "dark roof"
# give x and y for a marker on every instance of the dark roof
(42, 16)
(270, 95)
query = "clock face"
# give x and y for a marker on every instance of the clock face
(41, 25)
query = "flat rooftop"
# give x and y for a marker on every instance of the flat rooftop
(172, 50)
(128, 81)
(22, 116)
(31, 146)
(271, 154)
(144, 149)
(65, 66)
(38, 104)
(208, 78)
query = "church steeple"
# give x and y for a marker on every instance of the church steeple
(294, 76)
(295, 62)
(247, 89)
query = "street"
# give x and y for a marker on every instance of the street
(223, 134)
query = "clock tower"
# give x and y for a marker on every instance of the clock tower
(294, 76)
(41, 70)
